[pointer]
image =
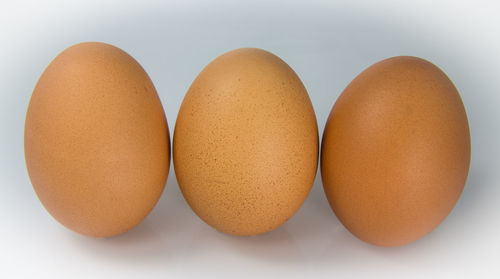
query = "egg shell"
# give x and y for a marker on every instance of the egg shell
(396, 151)
(245, 145)
(96, 140)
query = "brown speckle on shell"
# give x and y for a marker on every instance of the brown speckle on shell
(246, 143)
(396, 151)
(96, 140)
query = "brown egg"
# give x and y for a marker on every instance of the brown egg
(96, 140)
(396, 151)
(246, 143)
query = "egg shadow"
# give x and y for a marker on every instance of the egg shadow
(345, 250)
(291, 242)
(159, 236)
(276, 246)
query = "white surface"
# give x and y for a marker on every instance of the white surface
(327, 43)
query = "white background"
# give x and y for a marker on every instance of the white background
(327, 43)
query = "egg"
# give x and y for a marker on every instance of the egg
(396, 151)
(96, 140)
(245, 145)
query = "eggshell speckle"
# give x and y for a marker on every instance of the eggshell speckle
(245, 145)
(96, 140)
(396, 151)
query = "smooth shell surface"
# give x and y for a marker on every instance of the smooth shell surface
(396, 151)
(96, 140)
(245, 145)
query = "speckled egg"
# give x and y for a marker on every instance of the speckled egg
(396, 151)
(96, 140)
(245, 145)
